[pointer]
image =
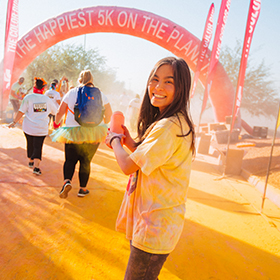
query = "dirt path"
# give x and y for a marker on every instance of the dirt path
(256, 160)
(45, 237)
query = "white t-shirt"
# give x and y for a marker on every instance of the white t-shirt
(133, 108)
(152, 213)
(70, 99)
(135, 103)
(16, 87)
(54, 96)
(124, 100)
(36, 108)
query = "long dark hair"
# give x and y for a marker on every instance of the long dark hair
(149, 114)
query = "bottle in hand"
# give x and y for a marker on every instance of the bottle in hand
(117, 120)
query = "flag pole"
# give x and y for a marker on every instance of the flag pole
(253, 15)
(228, 142)
(214, 59)
(270, 158)
(2, 70)
(206, 38)
(11, 34)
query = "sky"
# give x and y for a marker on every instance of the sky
(141, 55)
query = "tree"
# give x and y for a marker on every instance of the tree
(259, 96)
(69, 61)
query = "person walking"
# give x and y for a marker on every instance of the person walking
(81, 142)
(35, 107)
(132, 112)
(124, 101)
(55, 97)
(16, 95)
(153, 209)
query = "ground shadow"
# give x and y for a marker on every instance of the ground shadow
(76, 238)
(208, 254)
(53, 225)
(206, 167)
(21, 257)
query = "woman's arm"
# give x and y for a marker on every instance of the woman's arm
(60, 112)
(58, 101)
(107, 113)
(13, 94)
(17, 118)
(127, 165)
(128, 141)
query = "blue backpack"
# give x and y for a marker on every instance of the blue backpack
(88, 109)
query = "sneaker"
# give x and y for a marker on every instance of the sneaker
(65, 189)
(83, 192)
(37, 171)
(31, 164)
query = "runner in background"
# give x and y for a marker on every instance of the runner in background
(81, 142)
(132, 112)
(55, 97)
(35, 108)
(62, 86)
(16, 94)
(124, 101)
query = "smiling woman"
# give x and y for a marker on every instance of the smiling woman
(153, 209)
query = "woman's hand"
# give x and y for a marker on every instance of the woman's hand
(126, 164)
(111, 136)
(17, 118)
(128, 140)
(12, 124)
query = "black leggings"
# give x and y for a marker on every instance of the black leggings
(82, 153)
(34, 146)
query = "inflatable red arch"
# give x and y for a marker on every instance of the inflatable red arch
(138, 23)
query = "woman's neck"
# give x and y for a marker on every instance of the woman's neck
(89, 85)
(38, 91)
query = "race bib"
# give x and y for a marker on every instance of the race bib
(39, 107)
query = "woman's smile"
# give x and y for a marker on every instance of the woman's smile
(158, 96)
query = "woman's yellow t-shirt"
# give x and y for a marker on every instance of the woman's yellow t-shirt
(153, 208)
